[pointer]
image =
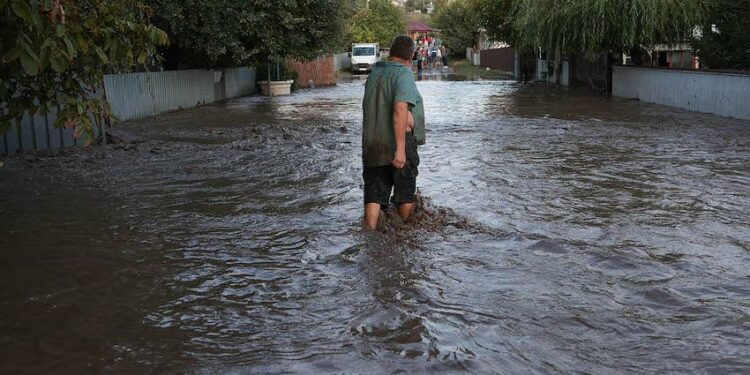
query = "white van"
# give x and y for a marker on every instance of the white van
(364, 56)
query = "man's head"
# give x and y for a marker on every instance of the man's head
(402, 48)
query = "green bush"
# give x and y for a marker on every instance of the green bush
(228, 33)
(725, 43)
(459, 23)
(379, 22)
(55, 53)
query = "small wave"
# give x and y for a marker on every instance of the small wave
(428, 217)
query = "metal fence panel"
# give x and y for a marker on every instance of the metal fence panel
(27, 133)
(67, 137)
(55, 134)
(342, 61)
(724, 94)
(40, 131)
(499, 58)
(133, 96)
(239, 82)
(139, 95)
(13, 138)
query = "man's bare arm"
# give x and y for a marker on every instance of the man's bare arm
(400, 122)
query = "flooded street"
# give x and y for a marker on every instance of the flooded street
(561, 233)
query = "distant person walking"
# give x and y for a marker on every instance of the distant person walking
(415, 58)
(421, 59)
(392, 127)
(444, 52)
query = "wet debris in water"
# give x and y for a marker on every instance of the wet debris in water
(287, 135)
(426, 217)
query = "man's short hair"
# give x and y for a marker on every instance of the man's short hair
(402, 47)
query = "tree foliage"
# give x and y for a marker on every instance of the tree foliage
(725, 43)
(422, 5)
(54, 54)
(215, 33)
(379, 22)
(592, 26)
(416, 5)
(494, 18)
(459, 22)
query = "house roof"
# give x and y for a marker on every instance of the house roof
(418, 26)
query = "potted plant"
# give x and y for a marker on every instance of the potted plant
(278, 31)
(279, 80)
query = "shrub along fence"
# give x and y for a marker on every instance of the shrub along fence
(134, 96)
(318, 72)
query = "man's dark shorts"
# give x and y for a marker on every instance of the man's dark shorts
(380, 180)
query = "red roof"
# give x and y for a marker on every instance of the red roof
(415, 26)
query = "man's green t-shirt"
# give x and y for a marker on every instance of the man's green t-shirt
(389, 82)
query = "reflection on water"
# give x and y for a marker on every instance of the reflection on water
(563, 233)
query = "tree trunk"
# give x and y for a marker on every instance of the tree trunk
(558, 64)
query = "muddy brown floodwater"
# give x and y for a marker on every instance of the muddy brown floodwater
(561, 233)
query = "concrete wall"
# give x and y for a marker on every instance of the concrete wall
(543, 74)
(133, 96)
(474, 57)
(565, 74)
(724, 94)
(342, 61)
(542, 70)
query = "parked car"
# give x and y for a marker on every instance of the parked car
(364, 56)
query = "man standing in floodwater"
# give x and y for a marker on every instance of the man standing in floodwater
(393, 126)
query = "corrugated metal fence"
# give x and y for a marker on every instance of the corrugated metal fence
(37, 132)
(499, 58)
(724, 94)
(133, 96)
